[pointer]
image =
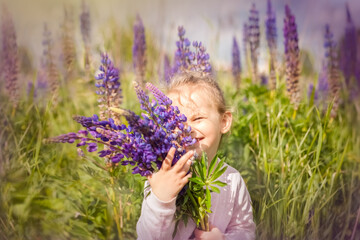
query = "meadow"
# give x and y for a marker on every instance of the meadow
(296, 143)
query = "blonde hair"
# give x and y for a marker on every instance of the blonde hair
(193, 78)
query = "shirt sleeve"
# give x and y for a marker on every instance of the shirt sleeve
(241, 225)
(157, 217)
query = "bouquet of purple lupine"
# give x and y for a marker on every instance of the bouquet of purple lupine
(144, 142)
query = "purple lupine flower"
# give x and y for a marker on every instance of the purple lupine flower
(139, 49)
(108, 85)
(291, 57)
(349, 49)
(254, 40)
(246, 37)
(236, 64)
(332, 74)
(185, 59)
(68, 43)
(48, 71)
(271, 37)
(144, 142)
(85, 26)
(182, 61)
(9, 57)
(167, 70)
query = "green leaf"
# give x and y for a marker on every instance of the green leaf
(212, 165)
(218, 174)
(197, 181)
(215, 189)
(219, 183)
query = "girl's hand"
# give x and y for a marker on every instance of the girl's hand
(214, 234)
(169, 180)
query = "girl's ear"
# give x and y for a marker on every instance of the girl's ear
(226, 122)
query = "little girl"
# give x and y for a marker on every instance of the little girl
(201, 100)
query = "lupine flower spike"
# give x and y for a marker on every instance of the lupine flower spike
(271, 37)
(254, 41)
(48, 69)
(108, 85)
(139, 50)
(185, 59)
(332, 69)
(9, 57)
(291, 58)
(246, 43)
(68, 44)
(236, 64)
(85, 32)
(349, 50)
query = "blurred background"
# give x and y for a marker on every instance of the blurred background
(290, 71)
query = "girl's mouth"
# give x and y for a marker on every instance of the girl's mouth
(199, 139)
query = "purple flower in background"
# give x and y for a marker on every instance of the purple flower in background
(246, 43)
(254, 40)
(349, 50)
(139, 49)
(85, 26)
(9, 57)
(167, 70)
(291, 57)
(332, 74)
(108, 87)
(182, 61)
(68, 43)
(48, 71)
(236, 64)
(271, 37)
(185, 59)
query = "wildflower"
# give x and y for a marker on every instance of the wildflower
(48, 71)
(291, 57)
(349, 49)
(185, 59)
(85, 31)
(139, 49)
(108, 87)
(254, 40)
(271, 37)
(10, 69)
(236, 64)
(332, 73)
(68, 44)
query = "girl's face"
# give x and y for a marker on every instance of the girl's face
(206, 122)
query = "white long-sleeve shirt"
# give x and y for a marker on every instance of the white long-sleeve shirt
(231, 213)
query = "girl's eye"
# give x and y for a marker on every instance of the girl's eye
(198, 118)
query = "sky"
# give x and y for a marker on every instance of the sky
(213, 22)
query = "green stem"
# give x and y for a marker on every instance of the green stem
(114, 206)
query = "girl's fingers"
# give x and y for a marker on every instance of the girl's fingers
(180, 164)
(166, 165)
(186, 167)
(187, 177)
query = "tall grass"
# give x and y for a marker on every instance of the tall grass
(302, 172)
